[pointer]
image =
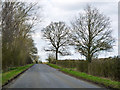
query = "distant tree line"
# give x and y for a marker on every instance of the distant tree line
(90, 33)
(17, 44)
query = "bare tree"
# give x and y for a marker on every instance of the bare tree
(17, 28)
(51, 58)
(58, 35)
(92, 33)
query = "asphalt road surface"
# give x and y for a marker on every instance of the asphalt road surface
(44, 76)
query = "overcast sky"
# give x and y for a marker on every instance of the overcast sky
(66, 10)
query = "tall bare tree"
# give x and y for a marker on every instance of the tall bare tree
(58, 35)
(92, 33)
(17, 42)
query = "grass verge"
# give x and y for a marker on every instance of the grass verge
(7, 76)
(101, 81)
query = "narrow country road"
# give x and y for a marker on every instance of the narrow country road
(43, 76)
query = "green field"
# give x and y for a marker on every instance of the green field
(13, 72)
(98, 80)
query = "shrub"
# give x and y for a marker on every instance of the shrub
(82, 66)
(67, 63)
(51, 59)
(105, 67)
(108, 67)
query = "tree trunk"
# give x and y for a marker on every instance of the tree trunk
(89, 58)
(56, 56)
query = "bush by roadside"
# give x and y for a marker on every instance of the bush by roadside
(107, 67)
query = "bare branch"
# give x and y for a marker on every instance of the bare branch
(92, 33)
(58, 35)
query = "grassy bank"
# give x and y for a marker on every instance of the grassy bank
(6, 76)
(98, 80)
